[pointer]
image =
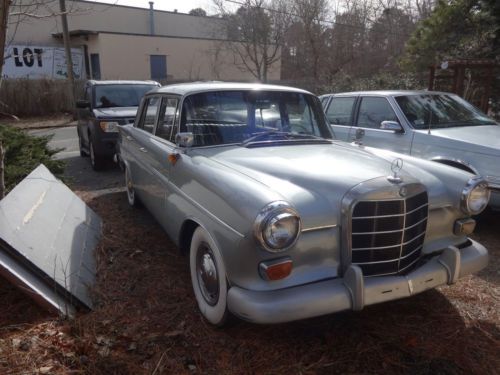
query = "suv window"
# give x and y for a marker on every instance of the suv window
(340, 111)
(166, 119)
(373, 111)
(147, 122)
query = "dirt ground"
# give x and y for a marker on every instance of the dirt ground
(146, 320)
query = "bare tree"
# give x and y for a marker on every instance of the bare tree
(4, 16)
(312, 16)
(255, 34)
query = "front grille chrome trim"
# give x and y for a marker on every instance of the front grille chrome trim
(385, 216)
(390, 231)
(389, 247)
(404, 240)
(392, 260)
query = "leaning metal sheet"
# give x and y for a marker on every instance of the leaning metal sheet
(47, 241)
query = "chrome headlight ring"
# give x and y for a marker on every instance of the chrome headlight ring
(475, 196)
(274, 215)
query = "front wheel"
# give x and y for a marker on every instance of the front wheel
(131, 196)
(83, 153)
(208, 276)
(96, 161)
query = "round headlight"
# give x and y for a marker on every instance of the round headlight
(277, 227)
(475, 196)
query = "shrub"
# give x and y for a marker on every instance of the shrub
(23, 153)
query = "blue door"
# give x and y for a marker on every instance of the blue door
(95, 65)
(158, 67)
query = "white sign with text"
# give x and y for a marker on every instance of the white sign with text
(40, 62)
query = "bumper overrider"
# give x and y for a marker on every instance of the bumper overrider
(354, 291)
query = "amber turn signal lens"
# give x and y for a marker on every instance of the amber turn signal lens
(277, 271)
(172, 158)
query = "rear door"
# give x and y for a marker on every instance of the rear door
(371, 111)
(137, 143)
(340, 113)
(159, 148)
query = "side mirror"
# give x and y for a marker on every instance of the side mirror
(360, 133)
(391, 125)
(184, 139)
(82, 104)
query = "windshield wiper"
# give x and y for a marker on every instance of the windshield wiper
(263, 136)
(281, 135)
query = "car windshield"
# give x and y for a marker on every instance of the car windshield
(228, 117)
(121, 95)
(437, 111)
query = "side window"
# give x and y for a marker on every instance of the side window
(373, 111)
(324, 101)
(148, 117)
(166, 119)
(86, 94)
(340, 111)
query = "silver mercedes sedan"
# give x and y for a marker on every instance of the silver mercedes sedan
(436, 126)
(281, 222)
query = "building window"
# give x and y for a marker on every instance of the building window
(95, 66)
(158, 67)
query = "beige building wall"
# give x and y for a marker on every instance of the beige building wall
(84, 15)
(124, 44)
(128, 57)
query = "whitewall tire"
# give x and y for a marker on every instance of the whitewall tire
(129, 186)
(208, 276)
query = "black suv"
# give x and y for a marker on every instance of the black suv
(105, 106)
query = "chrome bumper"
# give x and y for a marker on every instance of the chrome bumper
(495, 199)
(354, 291)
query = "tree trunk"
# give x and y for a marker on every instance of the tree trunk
(4, 15)
(2, 179)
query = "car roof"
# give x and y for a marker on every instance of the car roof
(121, 82)
(388, 93)
(197, 87)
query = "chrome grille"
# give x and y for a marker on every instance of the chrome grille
(388, 235)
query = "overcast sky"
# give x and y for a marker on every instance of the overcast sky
(183, 6)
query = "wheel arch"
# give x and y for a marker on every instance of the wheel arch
(185, 235)
(456, 163)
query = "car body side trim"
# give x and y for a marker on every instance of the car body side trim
(323, 227)
(187, 197)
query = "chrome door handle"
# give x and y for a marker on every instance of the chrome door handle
(143, 149)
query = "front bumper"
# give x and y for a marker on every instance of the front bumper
(495, 199)
(354, 291)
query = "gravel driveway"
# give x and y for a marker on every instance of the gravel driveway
(146, 319)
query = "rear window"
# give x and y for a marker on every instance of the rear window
(340, 111)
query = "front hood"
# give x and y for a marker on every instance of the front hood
(115, 112)
(305, 175)
(306, 166)
(484, 139)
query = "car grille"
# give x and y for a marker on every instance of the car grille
(388, 235)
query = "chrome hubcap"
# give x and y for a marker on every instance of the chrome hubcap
(206, 270)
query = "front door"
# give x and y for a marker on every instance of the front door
(371, 111)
